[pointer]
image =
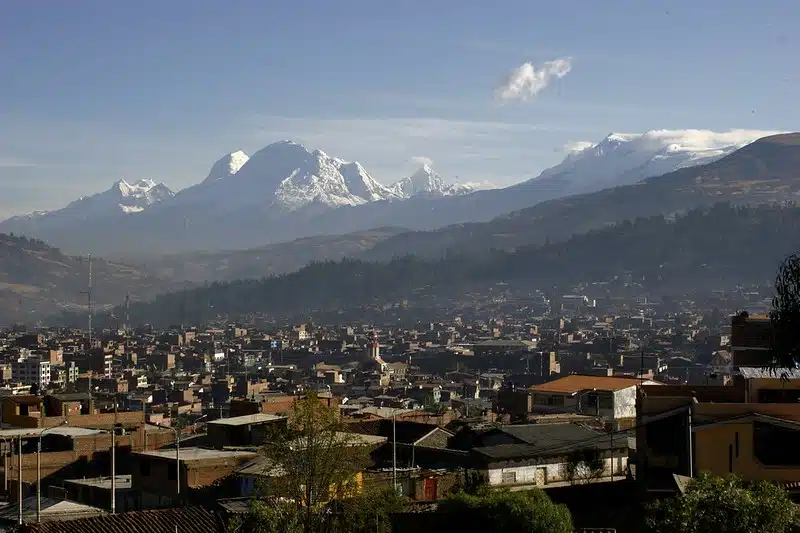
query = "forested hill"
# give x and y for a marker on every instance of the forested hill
(715, 247)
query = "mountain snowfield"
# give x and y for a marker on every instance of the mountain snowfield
(121, 198)
(284, 191)
(626, 158)
(426, 182)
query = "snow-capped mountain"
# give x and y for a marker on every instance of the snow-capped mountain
(285, 191)
(121, 198)
(227, 166)
(283, 176)
(625, 158)
(426, 182)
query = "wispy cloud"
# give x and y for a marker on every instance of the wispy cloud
(422, 160)
(526, 81)
(576, 146)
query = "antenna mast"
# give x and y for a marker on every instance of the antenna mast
(90, 311)
(89, 297)
(127, 311)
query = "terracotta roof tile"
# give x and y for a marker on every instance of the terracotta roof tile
(187, 519)
(576, 383)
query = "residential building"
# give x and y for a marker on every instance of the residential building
(611, 398)
(31, 371)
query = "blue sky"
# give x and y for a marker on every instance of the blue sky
(93, 91)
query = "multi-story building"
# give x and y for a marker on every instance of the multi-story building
(749, 428)
(31, 371)
(751, 340)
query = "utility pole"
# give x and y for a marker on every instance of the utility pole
(114, 469)
(394, 451)
(689, 438)
(19, 479)
(611, 448)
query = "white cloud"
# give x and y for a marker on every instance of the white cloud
(699, 140)
(481, 185)
(422, 160)
(576, 146)
(526, 81)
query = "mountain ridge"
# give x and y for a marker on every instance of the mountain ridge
(285, 192)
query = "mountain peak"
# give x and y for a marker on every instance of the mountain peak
(227, 166)
(427, 182)
(627, 158)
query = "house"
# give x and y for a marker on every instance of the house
(751, 340)
(96, 492)
(612, 398)
(262, 469)
(546, 454)
(748, 429)
(246, 430)
(154, 473)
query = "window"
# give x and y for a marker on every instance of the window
(779, 396)
(730, 458)
(144, 467)
(555, 400)
(172, 472)
(509, 478)
(774, 445)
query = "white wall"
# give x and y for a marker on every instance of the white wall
(625, 403)
(555, 472)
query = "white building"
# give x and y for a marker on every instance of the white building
(612, 398)
(31, 371)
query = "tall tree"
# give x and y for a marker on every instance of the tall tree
(310, 464)
(723, 505)
(785, 313)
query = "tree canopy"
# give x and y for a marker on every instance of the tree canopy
(785, 313)
(723, 505)
(521, 512)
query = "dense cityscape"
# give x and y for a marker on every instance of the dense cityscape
(410, 267)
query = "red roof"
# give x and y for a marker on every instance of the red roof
(577, 383)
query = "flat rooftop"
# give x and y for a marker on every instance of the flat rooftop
(197, 454)
(123, 482)
(64, 431)
(258, 418)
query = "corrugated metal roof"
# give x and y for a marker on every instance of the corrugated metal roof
(181, 519)
(751, 372)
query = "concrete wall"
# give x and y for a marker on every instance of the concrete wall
(712, 456)
(625, 403)
(548, 473)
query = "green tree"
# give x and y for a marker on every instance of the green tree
(306, 467)
(369, 512)
(723, 505)
(584, 466)
(785, 313)
(521, 512)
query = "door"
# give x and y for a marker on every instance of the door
(430, 489)
(540, 476)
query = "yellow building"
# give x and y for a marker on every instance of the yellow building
(751, 429)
